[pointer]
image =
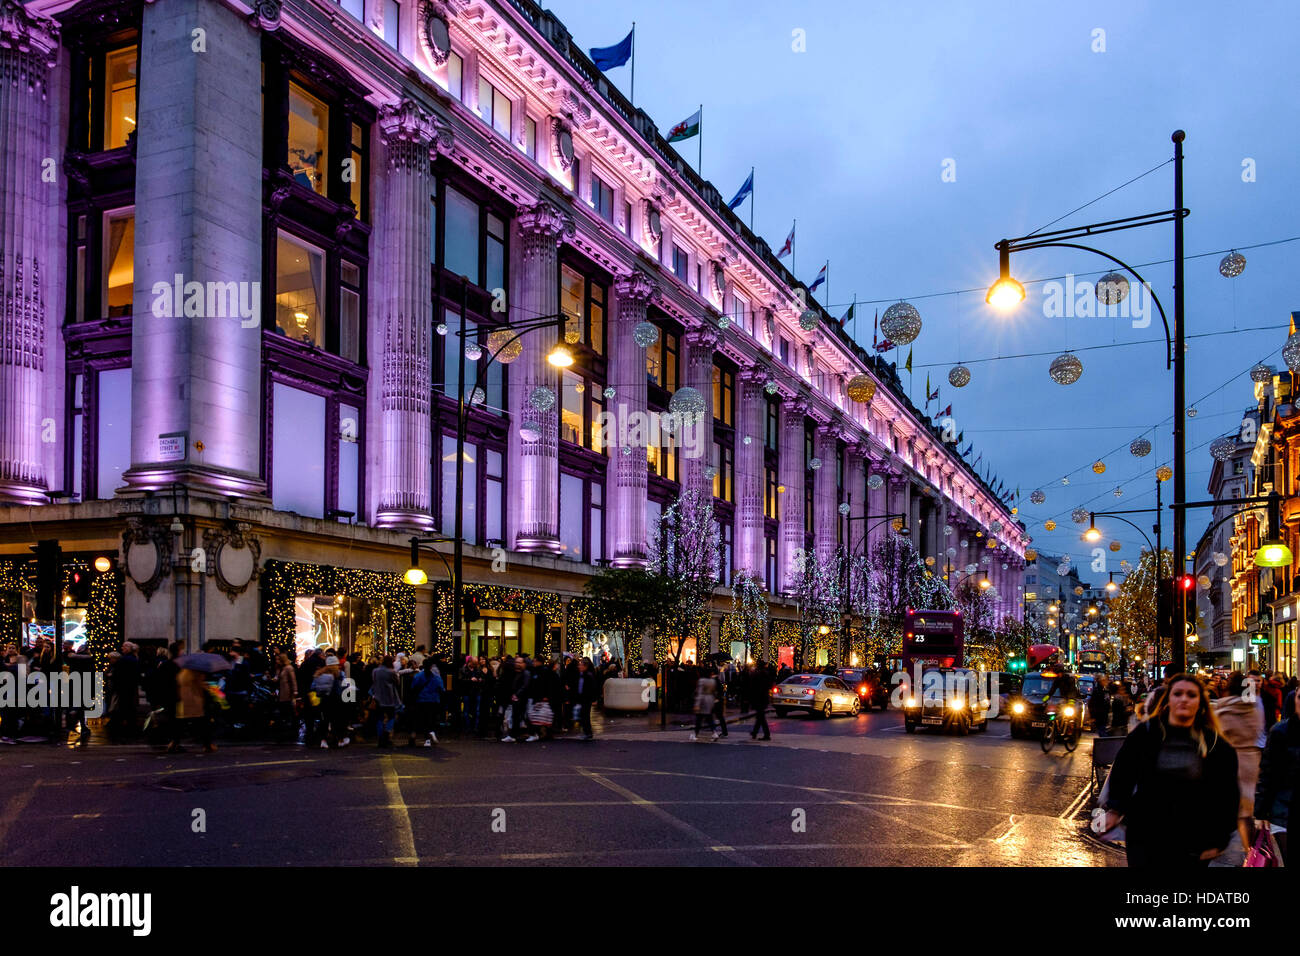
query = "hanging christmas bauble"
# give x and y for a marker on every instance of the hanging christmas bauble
(995, 527)
(572, 331)
(529, 431)
(1221, 448)
(984, 560)
(609, 391)
(1118, 492)
(1112, 288)
(1037, 496)
(506, 345)
(1031, 554)
(808, 319)
(770, 387)
(1099, 467)
(1015, 511)
(1191, 412)
(1291, 352)
(1261, 373)
(901, 323)
(965, 543)
(1204, 581)
(747, 439)
(1079, 515)
(1232, 265)
(952, 552)
(843, 508)
(972, 568)
(1139, 448)
(958, 376)
(441, 328)
(1220, 558)
(1124, 565)
(627, 450)
(875, 482)
(1116, 546)
(947, 530)
(710, 473)
(541, 398)
(724, 322)
(473, 351)
(1065, 369)
(478, 396)
(861, 388)
(990, 543)
(815, 464)
(1164, 472)
(1078, 590)
(579, 387)
(1049, 525)
(688, 405)
(645, 334)
(1005, 565)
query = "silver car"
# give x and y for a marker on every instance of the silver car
(819, 694)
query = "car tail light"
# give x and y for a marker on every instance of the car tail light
(808, 692)
(862, 691)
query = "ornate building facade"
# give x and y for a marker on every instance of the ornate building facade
(239, 243)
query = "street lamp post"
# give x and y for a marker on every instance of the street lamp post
(1006, 292)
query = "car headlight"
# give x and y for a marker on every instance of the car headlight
(957, 703)
(911, 702)
(1017, 708)
(1068, 711)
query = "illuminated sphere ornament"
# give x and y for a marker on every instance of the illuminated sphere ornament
(478, 396)
(1063, 569)
(1079, 516)
(985, 561)
(1118, 492)
(861, 388)
(1116, 546)
(506, 345)
(688, 404)
(1261, 373)
(1112, 288)
(875, 482)
(710, 473)
(1005, 565)
(1139, 448)
(965, 543)
(808, 319)
(995, 527)
(1164, 472)
(579, 387)
(1037, 496)
(1222, 447)
(627, 450)
(529, 431)
(1204, 582)
(724, 322)
(815, 464)
(1232, 265)
(1220, 558)
(1031, 554)
(901, 323)
(572, 332)
(541, 398)
(958, 376)
(1124, 565)
(609, 391)
(1065, 369)
(1291, 352)
(1191, 412)
(843, 509)
(972, 568)
(929, 560)
(947, 530)
(442, 328)
(952, 552)
(1078, 590)
(473, 351)
(747, 440)
(645, 334)
(1099, 467)
(770, 388)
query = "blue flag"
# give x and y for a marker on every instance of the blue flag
(745, 190)
(608, 57)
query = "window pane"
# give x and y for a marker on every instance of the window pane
(496, 256)
(349, 457)
(119, 263)
(571, 409)
(298, 451)
(119, 96)
(597, 533)
(114, 431)
(357, 172)
(308, 138)
(299, 290)
(501, 113)
(449, 489)
(454, 76)
(571, 509)
(597, 321)
(461, 228)
(495, 509)
(530, 138)
(572, 286)
(451, 357)
(355, 7)
(350, 325)
(392, 22)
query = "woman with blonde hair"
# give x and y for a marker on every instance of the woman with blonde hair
(1174, 782)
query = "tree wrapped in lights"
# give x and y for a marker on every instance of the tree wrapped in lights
(748, 619)
(818, 589)
(638, 602)
(1133, 608)
(687, 550)
(885, 585)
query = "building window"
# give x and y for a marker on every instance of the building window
(455, 76)
(661, 458)
(350, 311)
(118, 288)
(742, 315)
(119, 106)
(725, 551)
(393, 24)
(297, 451)
(627, 219)
(773, 436)
(355, 7)
(349, 459)
(495, 490)
(602, 198)
(112, 430)
(724, 472)
(724, 398)
(299, 290)
(530, 138)
(661, 361)
(808, 507)
(571, 513)
(680, 262)
(785, 350)
(597, 546)
(582, 300)
(76, 419)
(770, 493)
(469, 511)
(771, 565)
(474, 241)
(494, 106)
(356, 183)
(308, 139)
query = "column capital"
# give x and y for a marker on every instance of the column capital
(545, 219)
(407, 131)
(34, 40)
(755, 374)
(703, 336)
(636, 286)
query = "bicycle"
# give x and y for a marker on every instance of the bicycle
(1062, 724)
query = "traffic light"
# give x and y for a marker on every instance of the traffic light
(470, 608)
(79, 585)
(48, 586)
(1187, 588)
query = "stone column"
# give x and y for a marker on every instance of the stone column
(197, 369)
(791, 478)
(825, 516)
(856, 485)
(750, 476)
(535, 292)
(628, 436)
(900, 496)
(914, 516)
(696, 438)
(29, 46)
(401, 295)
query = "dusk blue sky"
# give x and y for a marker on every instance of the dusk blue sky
(850, 138)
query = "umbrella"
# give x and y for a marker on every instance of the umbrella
(204, 663)
(718, 657)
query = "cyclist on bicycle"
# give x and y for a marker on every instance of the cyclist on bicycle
(1064, 686)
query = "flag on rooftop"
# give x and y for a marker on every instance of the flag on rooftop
(686, 128)
(609, 57)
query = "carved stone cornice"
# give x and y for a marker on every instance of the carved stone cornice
(637, 286)
(30, 44)
(266, 15)
(703, 337)
(546, 220)
(407, 131)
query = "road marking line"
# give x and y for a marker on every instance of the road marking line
(682, 825)
(1077, 803)
(404, 833)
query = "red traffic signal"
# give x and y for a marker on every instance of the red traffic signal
(1187, 582)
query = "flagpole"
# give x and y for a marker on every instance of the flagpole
(794, 246)
(633, 63)
(853, 328)
(699, 143)
(751, 198)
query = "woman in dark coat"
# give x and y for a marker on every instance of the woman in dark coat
(1174, 782)
(1279, 776)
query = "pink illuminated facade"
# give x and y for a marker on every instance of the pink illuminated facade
(238, 244)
